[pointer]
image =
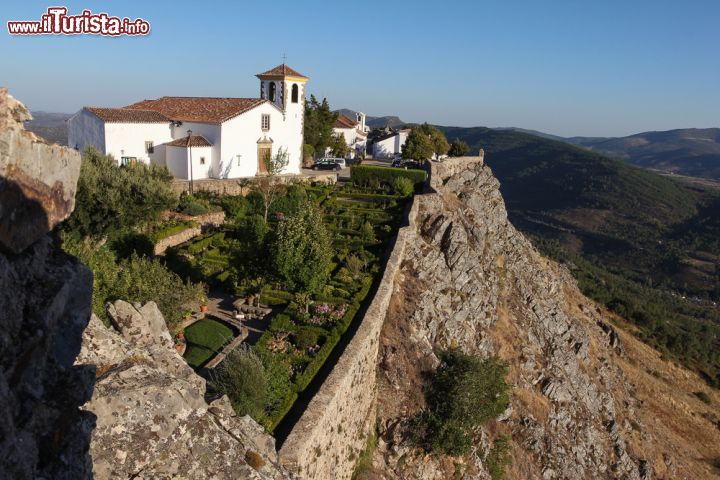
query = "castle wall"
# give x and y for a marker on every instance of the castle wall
(326, 441)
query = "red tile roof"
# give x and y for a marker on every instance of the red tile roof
(345, 122)
(198, 109)
(123, 115)
(282, 70)
(192, 141)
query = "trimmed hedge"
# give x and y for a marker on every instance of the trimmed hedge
(280, 413)
(200, 245)
(367, 174)
(168, 231)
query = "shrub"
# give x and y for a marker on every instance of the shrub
(241, 376)
(306, 338)
(368, 175)
(498, 458)
(403, 186)
(193, 206)
(464, 392)
(112, 199)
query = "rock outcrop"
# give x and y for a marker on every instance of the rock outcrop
(44, 306)
(152, 418)
(470, 280)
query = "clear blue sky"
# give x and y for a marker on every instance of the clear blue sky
(565, 67)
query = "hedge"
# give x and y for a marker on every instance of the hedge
(367, 174)
(373, 196)
(200, 245)
(171, 230)
(280, 413)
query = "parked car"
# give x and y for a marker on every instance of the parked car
(407, 164)
(327, 164)
(340, 161)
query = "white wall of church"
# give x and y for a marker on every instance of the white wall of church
(211, 131)
(179, 165)
(241, 134)
(128, 140)
(85, 128)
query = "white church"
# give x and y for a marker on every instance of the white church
(203, 137)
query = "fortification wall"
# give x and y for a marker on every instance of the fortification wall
(326, 441)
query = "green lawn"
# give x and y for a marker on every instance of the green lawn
(204, 339)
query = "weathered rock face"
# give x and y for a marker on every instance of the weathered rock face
(470, 280)
(152, 419)
(44, 306)
(37, 181)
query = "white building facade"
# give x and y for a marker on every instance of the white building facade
(390, 144)
(354, 132)
(203, 137)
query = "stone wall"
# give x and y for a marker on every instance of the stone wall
(326, 441)
(214, 219)
(232, 186)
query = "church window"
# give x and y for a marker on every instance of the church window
(265, 122)
(202, 160)
(149, 148)
(238, 160)
(295, 93)
(271, 94)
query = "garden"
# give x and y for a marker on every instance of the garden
(314, 261)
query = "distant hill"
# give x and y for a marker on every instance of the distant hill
(50, 126)
(691, 151)
(645, 245)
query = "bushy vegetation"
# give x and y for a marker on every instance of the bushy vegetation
(374, 177)
(463, 393)
(112, 200)
(242, 377)
(113, 206)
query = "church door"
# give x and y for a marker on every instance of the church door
(264, 152)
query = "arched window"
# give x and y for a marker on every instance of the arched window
(271, 93)
(295, 93)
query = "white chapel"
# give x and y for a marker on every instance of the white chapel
(203, 137)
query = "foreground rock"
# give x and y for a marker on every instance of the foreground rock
(470, 280)
(44, 306)
(152, 419)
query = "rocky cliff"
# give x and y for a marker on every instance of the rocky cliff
(152, 418)
(44, 306)
(588, 400)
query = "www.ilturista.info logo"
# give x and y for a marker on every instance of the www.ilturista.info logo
(57, 22)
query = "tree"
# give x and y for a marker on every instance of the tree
(241, 376)
(112, 199)
(425, 141)
(458, 148)
(417, 146)
(319, 123)
(464, 392)
(303, 250)
(268, 185)
(339, 148)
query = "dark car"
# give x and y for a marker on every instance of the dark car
(327, 165)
